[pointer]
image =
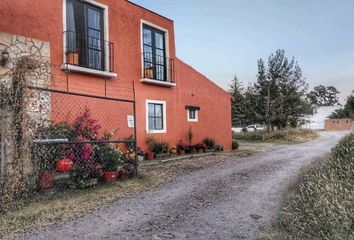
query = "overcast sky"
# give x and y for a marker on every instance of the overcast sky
(226, 37)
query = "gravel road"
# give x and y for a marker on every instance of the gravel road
(228, 201)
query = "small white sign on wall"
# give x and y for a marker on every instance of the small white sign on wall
(130, 119)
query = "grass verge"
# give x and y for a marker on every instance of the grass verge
(320, 205)
(290, 135)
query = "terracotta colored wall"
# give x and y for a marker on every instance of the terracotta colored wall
(339, 124)
(214, 117)
(125, 32)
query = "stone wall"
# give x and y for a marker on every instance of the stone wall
(345, 124)
(38, 109)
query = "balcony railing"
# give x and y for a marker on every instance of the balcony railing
(158, 68)
(89, 52)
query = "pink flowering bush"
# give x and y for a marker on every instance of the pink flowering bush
(87, 127)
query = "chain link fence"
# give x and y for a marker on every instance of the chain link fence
(81, 140)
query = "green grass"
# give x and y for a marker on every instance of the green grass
(320, 205)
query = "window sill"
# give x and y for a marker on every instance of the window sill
(157, 82)
(73, 68)
(155, 131)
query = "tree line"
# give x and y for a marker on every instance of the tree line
(279, 96)
(347, 111)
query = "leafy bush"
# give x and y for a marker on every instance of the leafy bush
(235, 145)
(157, 146)
(48, 154)
(209, 142)
(160, 146)
(109, 157)
(322, 204)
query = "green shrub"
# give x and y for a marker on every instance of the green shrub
(160, 146)
(109, 157)
(322, 204)
(235, 145)
(157, 146)
(209, 142)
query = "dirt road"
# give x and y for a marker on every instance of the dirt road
(228, 201)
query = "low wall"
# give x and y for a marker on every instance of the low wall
(344, 124)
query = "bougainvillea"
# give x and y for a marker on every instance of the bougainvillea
(87, 127)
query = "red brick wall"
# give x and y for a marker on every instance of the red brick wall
(44, 20)
(339, 124)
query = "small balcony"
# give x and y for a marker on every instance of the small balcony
(88, 54)
(158, 70)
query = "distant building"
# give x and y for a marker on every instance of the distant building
(317, 120)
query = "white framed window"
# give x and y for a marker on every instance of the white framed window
(156, 116)
(192, 115)
(157, 67)
(86, 37)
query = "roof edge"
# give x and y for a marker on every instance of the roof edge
(208, 79)
(137, 5)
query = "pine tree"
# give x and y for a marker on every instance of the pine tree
(237, 105)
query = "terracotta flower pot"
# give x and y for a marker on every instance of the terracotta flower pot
(110, 176)
(46, 180)
(149, 155)
(181, 152)
(73, 58)
(148, 72)
(200, 150)
(123, 174)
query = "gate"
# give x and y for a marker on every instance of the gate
(83, 135)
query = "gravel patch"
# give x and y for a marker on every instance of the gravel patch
(224, 201)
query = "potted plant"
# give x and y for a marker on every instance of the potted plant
(182, 147)
(150, 154)
(140, 154)
(161, 148)
(73, 57)
(149, 72)
(110, 158)
(200, 147)
(210, 144)
(191, 149)
(219, 148)
(48, 155)
(51, 155)
(173, 150)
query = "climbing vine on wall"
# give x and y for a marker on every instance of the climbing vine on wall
(14, 97)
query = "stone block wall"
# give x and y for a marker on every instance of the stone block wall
(38, 109)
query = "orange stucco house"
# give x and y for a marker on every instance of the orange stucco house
(113, 43)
